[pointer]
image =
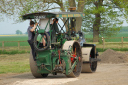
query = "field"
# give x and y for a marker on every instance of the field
(14, 38)
(89, 37)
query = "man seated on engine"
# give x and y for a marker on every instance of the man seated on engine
(42, 25)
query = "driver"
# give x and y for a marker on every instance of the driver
(31, 35)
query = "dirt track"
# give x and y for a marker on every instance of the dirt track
(106, 74)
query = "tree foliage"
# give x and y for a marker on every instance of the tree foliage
(18, 32)
(21, 7)
(17, 8)
(26, 33)
(103, 16)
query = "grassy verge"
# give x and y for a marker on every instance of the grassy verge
(22, 51)
(18, 63)
(13, 52)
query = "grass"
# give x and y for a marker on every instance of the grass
(89, 37)
(18, 63)
(12, 47)
(121, 34)
(14, 38)
(116, 49)
(13, 52)
(25, 38)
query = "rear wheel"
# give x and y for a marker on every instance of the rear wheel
(89, 66)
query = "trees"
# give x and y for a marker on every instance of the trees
(26, 33)
(21, 7)
(18, 32)
(103, 16)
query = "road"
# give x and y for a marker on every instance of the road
(106, 74)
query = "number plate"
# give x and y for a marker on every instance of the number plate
(40, 17)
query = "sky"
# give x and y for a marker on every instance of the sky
(8, 26)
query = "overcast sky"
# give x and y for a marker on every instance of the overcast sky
(7, 26)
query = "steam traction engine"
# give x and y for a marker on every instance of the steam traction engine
(68, 54)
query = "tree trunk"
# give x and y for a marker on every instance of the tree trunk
(72, 3)
(81, 5)
(96, 27)
(96, 24)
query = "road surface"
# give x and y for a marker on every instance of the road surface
(106, 74)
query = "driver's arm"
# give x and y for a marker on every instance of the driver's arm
(33, 29)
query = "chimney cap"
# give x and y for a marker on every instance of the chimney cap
(72, 8)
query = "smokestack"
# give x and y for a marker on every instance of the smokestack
(73, 20)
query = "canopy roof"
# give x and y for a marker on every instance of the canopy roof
(41, 15)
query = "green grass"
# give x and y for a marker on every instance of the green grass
(121, 34)
(115, 49)
(14, 38)
(25, 38)
(13, 52)
(89, 37)
(18, 63)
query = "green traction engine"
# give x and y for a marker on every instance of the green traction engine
(69, 54)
